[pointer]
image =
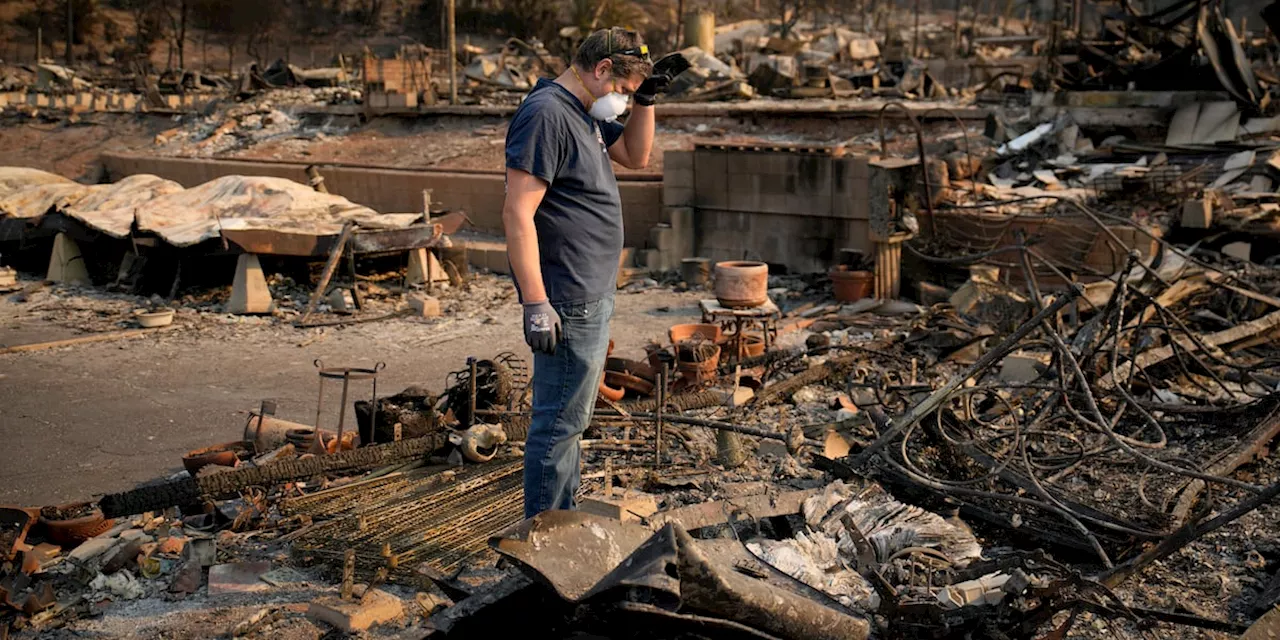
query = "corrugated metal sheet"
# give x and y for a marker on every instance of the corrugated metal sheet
(110, 208)
(35, 201)
(194, 215)
(14, 179)
(185, 217)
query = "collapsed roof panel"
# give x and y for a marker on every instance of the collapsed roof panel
(110, 208)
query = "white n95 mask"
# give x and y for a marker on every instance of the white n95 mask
(609, 106)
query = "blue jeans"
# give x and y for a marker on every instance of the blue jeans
(564, 395)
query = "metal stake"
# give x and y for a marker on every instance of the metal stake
(662, 400)
(471, 415)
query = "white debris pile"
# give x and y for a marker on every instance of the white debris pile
(853, 528)
(815, 560)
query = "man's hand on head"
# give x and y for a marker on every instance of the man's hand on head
(664, 71)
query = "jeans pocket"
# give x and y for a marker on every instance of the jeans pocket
(579, 311)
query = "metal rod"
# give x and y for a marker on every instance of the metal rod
(453, 55)
(342, 409)
(320, 397)
(471, 384)
(662, 399)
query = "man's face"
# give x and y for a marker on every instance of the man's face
(606, 82)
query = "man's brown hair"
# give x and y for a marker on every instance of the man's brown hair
(625, 48)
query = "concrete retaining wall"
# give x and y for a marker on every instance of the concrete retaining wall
(787, 208)
(391, 190)
(84, 101)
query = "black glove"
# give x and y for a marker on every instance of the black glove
(664, 70)
(541, 327)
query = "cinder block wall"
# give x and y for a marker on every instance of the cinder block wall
(389, 190)
(794, 209)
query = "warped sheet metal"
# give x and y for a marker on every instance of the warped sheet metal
(35, 201)
(589, 558)
(110, 208)
(14, 179)
(197, 214)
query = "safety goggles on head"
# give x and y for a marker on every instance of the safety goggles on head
(641, 51)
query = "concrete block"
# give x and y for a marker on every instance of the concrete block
(1240, 250)
(660, 237)
(425, 306)
(649, 259)
(631, 506)
(402, 100)
(249, 293)
(678, 161)
(66, 264)
(378, 100)
(711, 179)
(129, 102)
(238, 577)
(355, 616)
(683, 224)
(497, 260)
(673, 196)
(1197, 214)
(423, 265)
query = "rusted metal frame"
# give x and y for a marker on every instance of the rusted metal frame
(924, 170)
(1101, 424)
(1084, 512)
(937, 398)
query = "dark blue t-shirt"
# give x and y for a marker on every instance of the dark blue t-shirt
(579, 222)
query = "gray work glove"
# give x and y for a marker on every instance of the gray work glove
(541, 327)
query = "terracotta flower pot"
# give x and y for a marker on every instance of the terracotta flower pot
(707, 332)
(226, 454)
(742, 285)
(698, 371)
(850, 286)
(752, 344)
(73, 531)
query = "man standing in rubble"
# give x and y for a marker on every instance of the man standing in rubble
(563, 222)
